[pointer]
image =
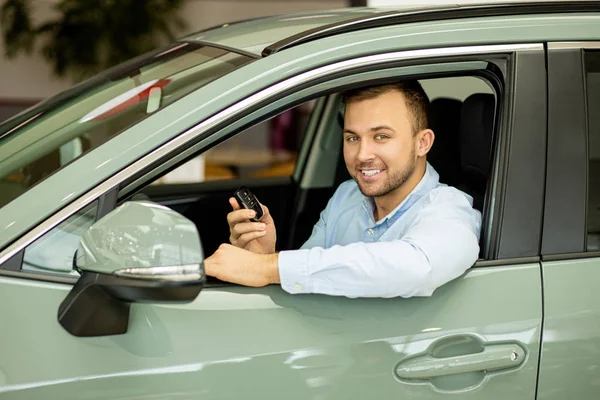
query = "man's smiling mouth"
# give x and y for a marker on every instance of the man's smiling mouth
(370, 172)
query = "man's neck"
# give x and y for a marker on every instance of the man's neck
(386, 204)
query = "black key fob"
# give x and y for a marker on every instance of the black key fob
(246, 199)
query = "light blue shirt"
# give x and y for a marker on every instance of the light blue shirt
(431, 238)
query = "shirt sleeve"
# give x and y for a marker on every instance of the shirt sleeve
(440, 245)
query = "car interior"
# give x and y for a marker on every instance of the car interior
(461, 154)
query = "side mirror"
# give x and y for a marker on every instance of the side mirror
(139, 252)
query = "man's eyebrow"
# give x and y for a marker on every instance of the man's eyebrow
(381, 127)
(374, 129)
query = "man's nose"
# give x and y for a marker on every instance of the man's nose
(365, 151)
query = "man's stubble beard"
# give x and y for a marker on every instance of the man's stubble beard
(395, 181)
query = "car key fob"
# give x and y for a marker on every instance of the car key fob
(246, 199)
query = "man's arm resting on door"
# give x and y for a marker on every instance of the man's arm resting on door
(438, 247)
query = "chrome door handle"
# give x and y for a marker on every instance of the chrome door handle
(493, 357)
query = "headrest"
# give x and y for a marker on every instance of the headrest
(444, 155)
(442, 110)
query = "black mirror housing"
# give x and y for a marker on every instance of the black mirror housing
(98, 304)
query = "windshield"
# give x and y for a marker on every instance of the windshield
(43, 139)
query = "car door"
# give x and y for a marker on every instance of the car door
(477, 337)
(570, 240)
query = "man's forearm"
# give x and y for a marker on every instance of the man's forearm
(235, 265)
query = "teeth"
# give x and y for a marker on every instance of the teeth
(371, 172)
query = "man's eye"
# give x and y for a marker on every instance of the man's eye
(351, 139)
(381, 137)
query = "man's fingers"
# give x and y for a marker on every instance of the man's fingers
(234, 203)
(246, 238)
(265, 209)
(240, 229)
(240, 232)
(241, 215)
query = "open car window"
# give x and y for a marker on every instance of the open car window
(42, 140)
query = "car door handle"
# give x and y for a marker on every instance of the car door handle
(493, 357)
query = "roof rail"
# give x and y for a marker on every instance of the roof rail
(432, 14)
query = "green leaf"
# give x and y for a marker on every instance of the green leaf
(16, 27)
(88, 36)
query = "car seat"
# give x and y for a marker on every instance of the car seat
(476, 131)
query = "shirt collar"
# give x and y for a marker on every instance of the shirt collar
(429, 181)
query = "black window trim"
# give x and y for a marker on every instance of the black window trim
(14, 263)
(565, 210)
(520, 226)
(224, 47)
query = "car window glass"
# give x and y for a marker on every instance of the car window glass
(42, 140)
(592, 77)
(267, 149)
(54, 251)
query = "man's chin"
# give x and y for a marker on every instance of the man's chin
(370, 190)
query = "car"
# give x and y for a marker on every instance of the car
(113, 192)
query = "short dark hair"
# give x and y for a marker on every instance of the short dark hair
(416, 99)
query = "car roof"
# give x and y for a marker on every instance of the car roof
(267, 35)
(253, 35)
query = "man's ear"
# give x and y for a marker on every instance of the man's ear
(425, 140)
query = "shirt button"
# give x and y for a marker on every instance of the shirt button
(297, 287)
(370, 231)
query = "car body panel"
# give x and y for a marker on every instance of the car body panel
(67, 185)
(570, 351)
(254, 35)
(570, 266)
(233, 340)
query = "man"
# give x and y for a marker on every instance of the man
(393, 230)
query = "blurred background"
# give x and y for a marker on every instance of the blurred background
(29, 75)
(28, 69)
(48, 46)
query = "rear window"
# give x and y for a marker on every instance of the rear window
(43, 139)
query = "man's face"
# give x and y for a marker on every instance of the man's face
(379, 145)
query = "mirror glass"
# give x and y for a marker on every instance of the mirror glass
(137, 236)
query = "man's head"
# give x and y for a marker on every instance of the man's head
(386, 136)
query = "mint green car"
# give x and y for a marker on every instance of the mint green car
(102, 287)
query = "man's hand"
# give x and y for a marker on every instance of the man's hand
(243, 267)
(258, 237)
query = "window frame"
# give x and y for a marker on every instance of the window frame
(327, 88)
(202, 136)
(513, 152)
